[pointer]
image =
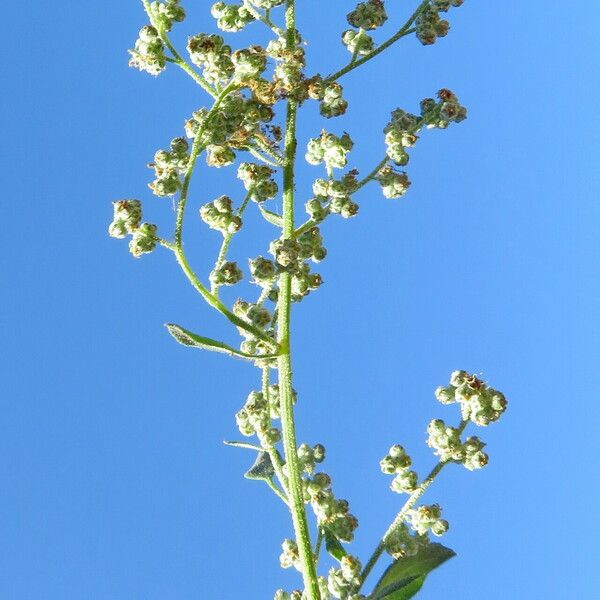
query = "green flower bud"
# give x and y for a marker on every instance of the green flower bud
(126, 219)
(212, 54)
(219, 156)
(396, 461)
(427, 518)
(290, 555)
(404, 483)
(249, 62)
(444, 5)
(368, 15)
(227, 274)
(332, 102)
(143, 240)
(219, 215)
(358, 41)
(394, 184)
(474, 458)
(149, 52)
(329, 149)
(231, 17)
(316, 210)
(445, 440)
(401, 542)
(263, 271)
(286, 253)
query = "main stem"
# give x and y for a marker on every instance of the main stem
(284, 363)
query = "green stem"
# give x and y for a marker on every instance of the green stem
(178, 238)
(284, 364)
(412, 500)
(274, 455)
(405, 30)
(214, 290)
(372, 174)
(264, 19)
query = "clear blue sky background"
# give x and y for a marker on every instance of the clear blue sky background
(114, 481)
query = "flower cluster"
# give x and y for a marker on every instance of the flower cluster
(478, 402)
(343, 583)
(258, 181)
(127, 221)
(254, 418)
(398, 462)
(230, 127)
(368, 15)
(274, 400)
(427, 518)
(213, 55)
(249, 63)
(400, 542)
(309, 456)
(148, 53)
(168, 166)
(394, 183)
(290, 256)
(227, 273)
(358, 42)
(164, 14)
(290, 63)
(290, 556)
(330, 511)
(231, 17)
(332, 100)
(330, 150)
(446, 442)
(259, 317)
(333, 196)
(220, 215)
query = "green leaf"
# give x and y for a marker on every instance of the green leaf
(271, 217)
(262, 469)
(333, 545)
(405, 576)
(187, 338)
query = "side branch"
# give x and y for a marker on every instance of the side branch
(405, 30)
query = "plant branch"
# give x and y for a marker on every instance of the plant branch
(177, 58)
(403, 31)
(412, 500)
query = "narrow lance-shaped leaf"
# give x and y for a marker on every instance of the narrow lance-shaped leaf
(187, 338)
(262, 469)
(333, 545)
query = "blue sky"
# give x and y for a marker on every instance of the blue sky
(115, 483)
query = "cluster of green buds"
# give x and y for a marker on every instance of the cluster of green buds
(309, 456)
(254, 418)
(333, 196)
(344, 583)
(164, 14)
(233, 125)
(478, 402)
(289, 65)
(290, 256)
(168, 167)
(400, 542)
(127, 221)
(368, 15)
(231, 17)
(446, 442)
(258, 181)
(330, 95)
(148, 53)
(394, 183)
(219, 215)
(398, 462)
(212, 55)
(429, 25)
(258, 316)
(331, 512)
(427, 518)
(249, 62)
(330, 150)
(365, 17)
(290, 555)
